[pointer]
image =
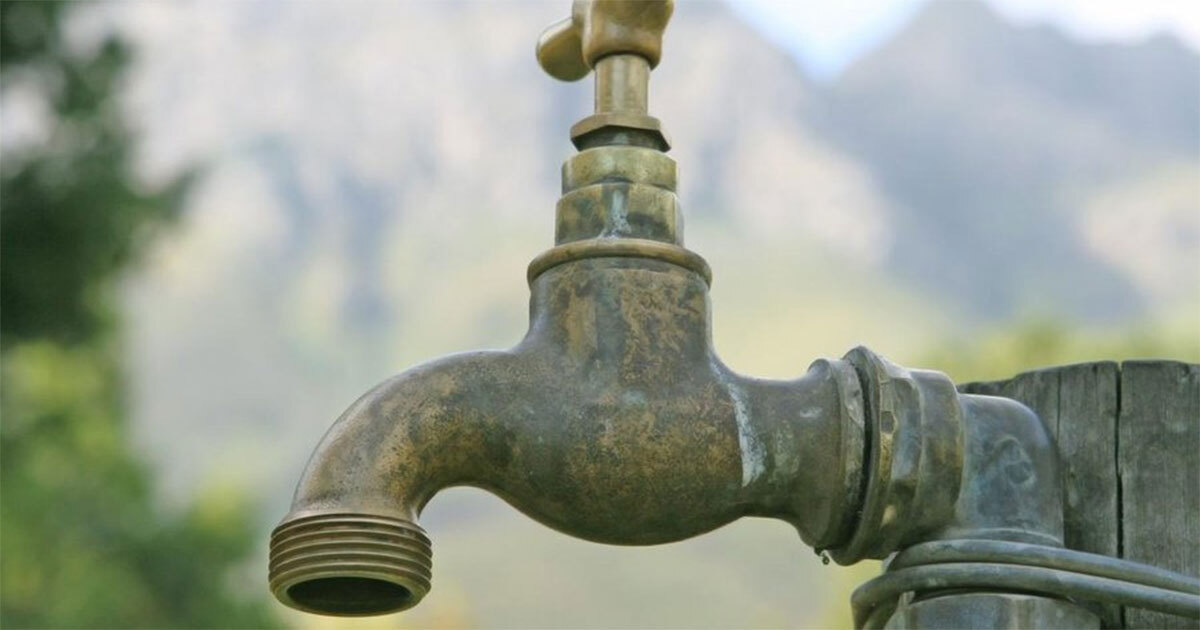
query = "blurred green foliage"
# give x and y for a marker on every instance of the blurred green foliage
(84, 542)
(1035, 343)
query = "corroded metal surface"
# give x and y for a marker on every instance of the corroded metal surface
(614, 420)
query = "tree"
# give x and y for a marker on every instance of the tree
(83, 542)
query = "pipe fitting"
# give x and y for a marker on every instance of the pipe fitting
(619, 192)
(914, 461)
(958, 543)
(1011, 485)
(943, 465)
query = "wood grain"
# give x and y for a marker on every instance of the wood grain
(1158, 456)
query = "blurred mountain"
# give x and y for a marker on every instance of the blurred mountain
(992, 141)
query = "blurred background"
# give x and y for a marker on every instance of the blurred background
(223, 221)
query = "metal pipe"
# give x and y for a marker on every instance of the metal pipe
(1024, 579)
(1004, 552)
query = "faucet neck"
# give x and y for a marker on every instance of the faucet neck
(622, 84)
(610, 316)
(621, 114)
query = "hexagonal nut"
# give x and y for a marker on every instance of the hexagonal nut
(634, 165)
(619, 210)
(620, 128)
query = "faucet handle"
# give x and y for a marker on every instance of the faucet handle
(560, 51)
(570, 48)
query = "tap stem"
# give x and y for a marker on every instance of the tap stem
(622, 84)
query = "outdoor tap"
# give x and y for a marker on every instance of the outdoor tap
(614, 420)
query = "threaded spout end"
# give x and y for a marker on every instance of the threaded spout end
(350, 564)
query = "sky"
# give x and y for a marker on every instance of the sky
(828, 36)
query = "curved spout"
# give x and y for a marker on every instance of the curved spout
(613, 421)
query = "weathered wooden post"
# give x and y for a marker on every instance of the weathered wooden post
(1128, 439)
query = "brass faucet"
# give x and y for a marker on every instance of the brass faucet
(614, 420)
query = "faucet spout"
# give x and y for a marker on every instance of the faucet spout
(613, 420)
